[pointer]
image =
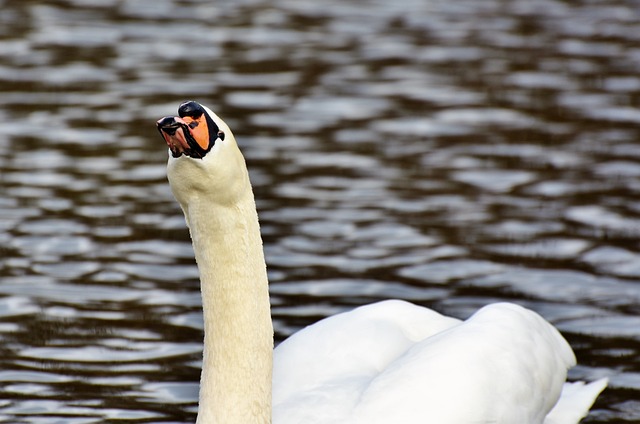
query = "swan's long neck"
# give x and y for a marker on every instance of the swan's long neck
(238, 343)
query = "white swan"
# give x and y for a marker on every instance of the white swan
(390, 362)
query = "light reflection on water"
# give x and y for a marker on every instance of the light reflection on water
(448, 153)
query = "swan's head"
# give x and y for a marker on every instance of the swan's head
(204, 160)
(193, 133)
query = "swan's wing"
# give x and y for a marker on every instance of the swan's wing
(575, 401)
(320, 371)
(395, 362)
(505, 364)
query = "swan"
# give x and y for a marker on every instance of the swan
(389, 362)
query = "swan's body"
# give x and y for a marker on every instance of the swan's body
(396, 362)
(390, 362)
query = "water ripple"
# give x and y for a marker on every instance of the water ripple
(450, 153)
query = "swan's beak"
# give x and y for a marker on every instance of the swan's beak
(193, 133)
(186, 135)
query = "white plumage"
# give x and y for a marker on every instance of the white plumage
(396, 362)
(389, 362)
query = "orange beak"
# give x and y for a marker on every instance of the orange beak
(186, 135)
(199, 130)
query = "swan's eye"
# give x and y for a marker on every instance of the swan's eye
(221, 135)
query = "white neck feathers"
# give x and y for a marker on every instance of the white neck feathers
(217, 200)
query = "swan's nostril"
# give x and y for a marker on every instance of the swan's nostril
(168, 124)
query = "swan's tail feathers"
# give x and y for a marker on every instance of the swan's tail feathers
(575, 401)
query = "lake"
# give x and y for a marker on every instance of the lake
(451, 154)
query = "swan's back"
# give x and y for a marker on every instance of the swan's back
(397, 362)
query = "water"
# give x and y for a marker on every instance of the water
(448, 153)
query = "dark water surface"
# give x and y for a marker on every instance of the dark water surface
(452, 153)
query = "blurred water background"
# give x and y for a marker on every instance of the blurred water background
(451, 153)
